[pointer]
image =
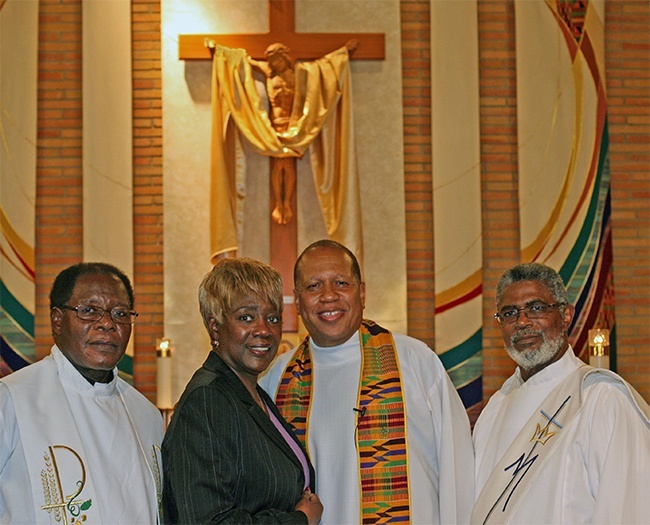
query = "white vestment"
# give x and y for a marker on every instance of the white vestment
(440, 455)
(57, 429)
(598, 472)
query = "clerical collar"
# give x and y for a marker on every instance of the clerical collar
(108, 373)
(72, 376)
(353, 341)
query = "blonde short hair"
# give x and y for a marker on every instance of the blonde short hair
(235, 277)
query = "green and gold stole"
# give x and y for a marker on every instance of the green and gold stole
(381, 430)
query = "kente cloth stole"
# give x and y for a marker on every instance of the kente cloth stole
(381, 428)
(514, 474)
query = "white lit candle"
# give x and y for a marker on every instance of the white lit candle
(164, 374)
(598, 341)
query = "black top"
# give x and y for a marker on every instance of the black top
(224, 461)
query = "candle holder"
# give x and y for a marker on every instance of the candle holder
(598, 342)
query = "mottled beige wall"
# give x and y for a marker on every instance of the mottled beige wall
(107, 134)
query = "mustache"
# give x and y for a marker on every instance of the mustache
(526, 332)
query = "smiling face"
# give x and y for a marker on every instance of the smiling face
(329, 298)
(534, 343)
(249, 336)
(93, 347)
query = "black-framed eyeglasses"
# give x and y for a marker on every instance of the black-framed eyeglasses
(533, 311)
(119, 314)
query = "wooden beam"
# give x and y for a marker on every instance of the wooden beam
(304, 46)
(284, 252)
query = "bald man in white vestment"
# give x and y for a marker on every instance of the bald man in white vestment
(387, 432)
(77, 443)
(560, 442)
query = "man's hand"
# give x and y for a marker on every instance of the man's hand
(352, 44)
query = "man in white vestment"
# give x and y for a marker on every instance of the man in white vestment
(77, 443)
(387, 432)
(560, 442)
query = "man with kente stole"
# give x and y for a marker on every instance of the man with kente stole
(383, 424)
(560, 442)
(77, 443)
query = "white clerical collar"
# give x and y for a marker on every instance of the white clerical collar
(72, 377)
(553, 372)
(336, 355)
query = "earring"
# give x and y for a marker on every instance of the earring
(215, 343)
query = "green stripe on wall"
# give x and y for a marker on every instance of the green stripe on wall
(17, 311)
(463, 351)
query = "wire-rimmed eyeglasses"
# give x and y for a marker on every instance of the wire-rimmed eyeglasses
(119, 314)
(532, 311)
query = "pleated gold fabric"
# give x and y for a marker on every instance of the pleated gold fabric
(321, 121)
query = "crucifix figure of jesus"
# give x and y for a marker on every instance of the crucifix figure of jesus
(280, 87)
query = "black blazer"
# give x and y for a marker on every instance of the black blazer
(223, 459)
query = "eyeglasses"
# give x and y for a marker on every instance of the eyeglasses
(533, 311)
(119, 314)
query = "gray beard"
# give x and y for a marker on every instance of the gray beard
(535, 358)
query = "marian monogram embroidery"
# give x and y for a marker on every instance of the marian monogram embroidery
(542, 435)
(64, 478)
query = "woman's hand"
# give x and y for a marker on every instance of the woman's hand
(311, 506)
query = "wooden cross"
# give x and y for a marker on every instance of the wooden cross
(304, 46)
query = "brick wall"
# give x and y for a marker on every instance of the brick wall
(416, 90)
(59, 156)
(147, 191)
(627, 59)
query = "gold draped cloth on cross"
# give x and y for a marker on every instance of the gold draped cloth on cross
(320, 122)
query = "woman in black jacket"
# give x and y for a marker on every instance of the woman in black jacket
(228, 455)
